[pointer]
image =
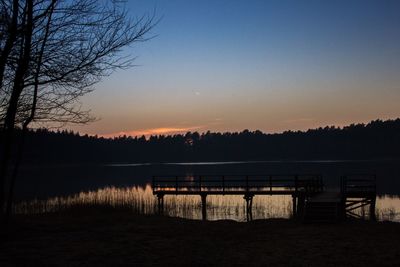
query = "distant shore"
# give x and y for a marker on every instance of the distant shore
(107, 237)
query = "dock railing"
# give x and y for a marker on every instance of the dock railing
(237, 184)
(358, 184)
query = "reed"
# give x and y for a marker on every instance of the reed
(141, 200)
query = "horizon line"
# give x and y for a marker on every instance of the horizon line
(172, 131)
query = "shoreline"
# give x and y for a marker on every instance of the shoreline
(117, 237)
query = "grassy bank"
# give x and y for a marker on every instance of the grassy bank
(112, 237)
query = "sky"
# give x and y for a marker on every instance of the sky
(258, 65)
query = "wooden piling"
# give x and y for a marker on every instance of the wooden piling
(160, 199)
(204, 206)
(372, 215)
(249, 206)
(301, 202)
(294, 206)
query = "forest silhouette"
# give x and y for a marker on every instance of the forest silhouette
(375, 140)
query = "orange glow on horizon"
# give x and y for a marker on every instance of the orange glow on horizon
(152, 131)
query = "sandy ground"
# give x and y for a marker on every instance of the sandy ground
(114, 237)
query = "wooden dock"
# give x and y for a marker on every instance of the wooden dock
(300, 187)
(310, 202)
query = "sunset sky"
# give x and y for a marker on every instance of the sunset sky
(268, 65)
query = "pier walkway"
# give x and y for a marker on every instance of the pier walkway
(309, 199)
(299, 187)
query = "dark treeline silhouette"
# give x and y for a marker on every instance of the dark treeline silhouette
(375, 140)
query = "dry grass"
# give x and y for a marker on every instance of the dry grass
(142, 201)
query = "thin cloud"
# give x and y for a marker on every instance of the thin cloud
(299, 120)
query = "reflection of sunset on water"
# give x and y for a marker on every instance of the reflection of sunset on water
(141, 200)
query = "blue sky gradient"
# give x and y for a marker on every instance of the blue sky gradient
(268, 65)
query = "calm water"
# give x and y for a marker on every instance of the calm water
(141, 200)
(43, 181)
(57, 186)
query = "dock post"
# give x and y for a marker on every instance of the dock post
(372, 215)
(249, 206)
(204, 206)
(342, 212)
(160, 199)
(294, 206)
(301, 201)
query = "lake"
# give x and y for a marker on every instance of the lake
(100, 181)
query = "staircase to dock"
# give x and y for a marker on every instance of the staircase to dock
(323, 207)
(356, 192)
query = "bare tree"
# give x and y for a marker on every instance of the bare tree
(52, 53)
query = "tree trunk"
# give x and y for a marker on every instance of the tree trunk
(12, 36)
(18, 86)
(13, 178)
(8, 140)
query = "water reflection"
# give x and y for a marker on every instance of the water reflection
(141, 200)
(44, 181)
